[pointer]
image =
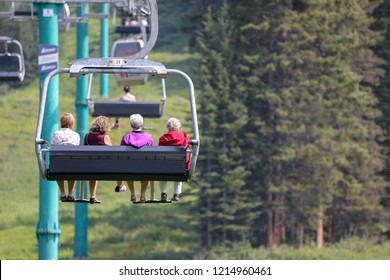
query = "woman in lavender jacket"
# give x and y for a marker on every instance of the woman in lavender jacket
(136, 138)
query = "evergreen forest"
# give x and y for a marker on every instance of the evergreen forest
(294, 120)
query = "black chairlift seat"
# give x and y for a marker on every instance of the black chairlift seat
(11, 67)
(111, 163)
(11, 76)
(126, 109)
(128, 29)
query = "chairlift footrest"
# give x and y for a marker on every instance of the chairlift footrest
(153, 201)
(81, 201)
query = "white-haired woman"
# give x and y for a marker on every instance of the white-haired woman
(136, 138)
(174, 137)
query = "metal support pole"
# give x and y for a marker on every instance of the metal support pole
(104, 9)
(191, 88)
(81, 209)
(48, 228)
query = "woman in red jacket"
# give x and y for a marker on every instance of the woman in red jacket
(174, 137)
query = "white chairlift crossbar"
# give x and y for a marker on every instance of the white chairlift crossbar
(116, 65)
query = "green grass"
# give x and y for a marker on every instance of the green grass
(352, 248)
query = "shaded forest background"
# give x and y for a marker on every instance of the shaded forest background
(294, 103)
(293, 107)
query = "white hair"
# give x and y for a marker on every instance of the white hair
(173, 124)
(136, 121)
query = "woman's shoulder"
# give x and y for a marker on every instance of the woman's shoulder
(149, 135)
(95, 135)
(177, 133)
(57, 132)
(74, 133)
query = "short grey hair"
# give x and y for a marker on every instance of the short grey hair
(136, 121)
(173, 124)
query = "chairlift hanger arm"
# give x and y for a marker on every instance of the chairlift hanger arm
(195, 142)
(38, 132)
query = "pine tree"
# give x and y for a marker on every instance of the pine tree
(265, 151)
(222, 198)
(382, 23)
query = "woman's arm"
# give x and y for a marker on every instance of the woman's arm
(107, 140)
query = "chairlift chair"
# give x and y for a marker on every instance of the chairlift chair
(113, 163)
(125, 109)
(11, 61)
(127, 48)
(131, 10)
